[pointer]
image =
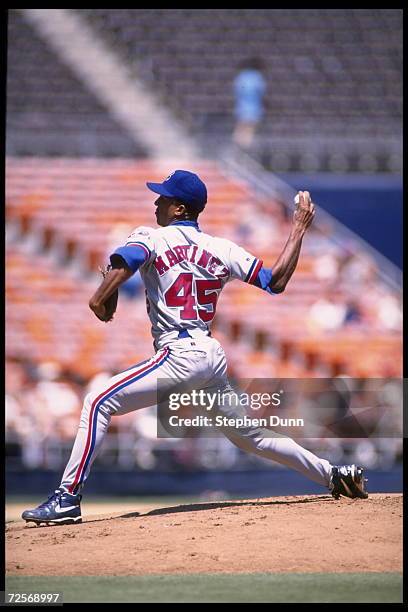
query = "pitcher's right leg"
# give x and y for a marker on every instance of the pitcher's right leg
(130, 390)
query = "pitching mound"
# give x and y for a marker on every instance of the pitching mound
(284, 534)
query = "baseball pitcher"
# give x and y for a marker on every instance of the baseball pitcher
(184, 271)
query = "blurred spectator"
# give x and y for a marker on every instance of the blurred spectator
(328, 313)
(55, 404)
(326, 267)
(15, 376)
(14, 418)
(365, 453)
(19, 424)
(353, 312)
(258, 227)
(249, 89)
(327, 254)
(358, 268)
(97, 381)
(389, 313)
(382, 308)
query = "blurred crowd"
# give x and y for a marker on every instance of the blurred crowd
(43, 404)
(351, 292)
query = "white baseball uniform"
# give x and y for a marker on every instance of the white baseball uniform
(183, 270)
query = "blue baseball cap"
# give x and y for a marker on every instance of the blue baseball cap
(184, 186)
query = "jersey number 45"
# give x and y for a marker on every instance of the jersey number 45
(192, 296)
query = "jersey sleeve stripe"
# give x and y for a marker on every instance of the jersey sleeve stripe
(140, 244)
(250, 270)
(253, 271)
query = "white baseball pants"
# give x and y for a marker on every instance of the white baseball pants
(189, 360)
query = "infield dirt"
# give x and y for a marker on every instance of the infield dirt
(283, 534)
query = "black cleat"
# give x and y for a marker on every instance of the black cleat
(348, 480)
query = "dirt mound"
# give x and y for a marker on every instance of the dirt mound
(284, 534)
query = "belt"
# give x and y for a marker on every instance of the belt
(183, 333)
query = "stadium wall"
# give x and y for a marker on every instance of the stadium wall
(224, 483)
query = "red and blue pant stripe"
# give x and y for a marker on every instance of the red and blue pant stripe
(142, 370)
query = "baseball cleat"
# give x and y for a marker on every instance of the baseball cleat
(348, 480)
(61, 508)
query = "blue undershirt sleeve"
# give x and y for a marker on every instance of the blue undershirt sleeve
(134, 256)
(264, 279)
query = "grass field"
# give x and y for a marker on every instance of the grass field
(211, 588)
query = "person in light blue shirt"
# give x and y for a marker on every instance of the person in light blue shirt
(249, 89)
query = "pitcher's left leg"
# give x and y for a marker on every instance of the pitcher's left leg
(283, 450)
(270, 445)
(346, 480)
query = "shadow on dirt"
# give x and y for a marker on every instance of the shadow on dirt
(194, 508)
(220, 505)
